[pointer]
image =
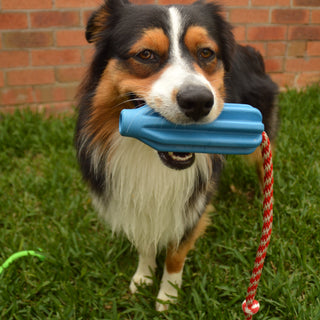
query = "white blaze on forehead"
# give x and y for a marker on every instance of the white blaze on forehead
(178, 73)
(175, 33)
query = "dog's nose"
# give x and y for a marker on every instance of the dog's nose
(195, 101)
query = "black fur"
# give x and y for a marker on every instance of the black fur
(247, 82)
(245, 78)
(113, 29)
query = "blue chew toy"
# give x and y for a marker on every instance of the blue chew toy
(237, 130)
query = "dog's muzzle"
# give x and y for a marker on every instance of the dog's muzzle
(196, 102)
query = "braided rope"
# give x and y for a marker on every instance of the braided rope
(250, 306)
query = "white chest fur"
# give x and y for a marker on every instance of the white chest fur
(148, 202)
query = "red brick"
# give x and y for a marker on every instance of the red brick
(274, 64)
(290, 16)
(224, 14)
(30, 76)
(308, 78)
(57, 93)
(56, 85)
(284, 79)
(306, 3)
(297, 48)
(59, 108)
(48, 19)
(78, 3)
(56, 108)
(12, 96)
(9, 59)
(304, 33)
(6, 109)
(165, 1)
(70, 74)
(313, 48)
(260, 46)
(1, 79)
(26, 4)
(27, 39)
(87, 55)
(267, 33)
(67, 38)
(48, 109)
(55, 57)
(315, 18)
(86, 16)
(269, 3)
(276, 49)
(302, 65)
(239, 33)
(249, 16)
(13, 21)
(236, 3)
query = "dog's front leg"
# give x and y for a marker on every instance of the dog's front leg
(176, 256)
(146, 268)
(171, 279)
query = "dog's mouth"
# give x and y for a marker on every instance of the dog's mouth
(173, 160)
(136, 101)
(177, 160)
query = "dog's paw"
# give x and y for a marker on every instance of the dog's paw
(162, 307)
(168, 293)
(139, 280)
(165, 299)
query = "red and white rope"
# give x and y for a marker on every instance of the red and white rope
(250, 306)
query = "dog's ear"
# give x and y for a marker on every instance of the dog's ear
(99, 20)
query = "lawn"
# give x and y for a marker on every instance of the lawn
(86, 273)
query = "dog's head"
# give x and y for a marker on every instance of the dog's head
(172, 58)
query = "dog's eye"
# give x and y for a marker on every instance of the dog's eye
(146, 55)
(206, 54)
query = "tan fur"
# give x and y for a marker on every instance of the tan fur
(197, 38)
(153, 39)
(99, 23)
(176, 256)
(111, 97)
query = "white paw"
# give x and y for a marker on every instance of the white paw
(139, 280)
(168, 292)
(164, 299)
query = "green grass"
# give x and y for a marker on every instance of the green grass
(86, 273)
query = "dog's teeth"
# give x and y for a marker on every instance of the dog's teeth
(180, 157)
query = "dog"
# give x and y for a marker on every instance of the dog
(183, 61)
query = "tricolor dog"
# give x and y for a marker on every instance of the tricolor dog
(181, 60)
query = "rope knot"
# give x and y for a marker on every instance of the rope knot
(253, 309)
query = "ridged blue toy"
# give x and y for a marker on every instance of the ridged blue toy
(237, 130)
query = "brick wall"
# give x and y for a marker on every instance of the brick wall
(43, 53)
